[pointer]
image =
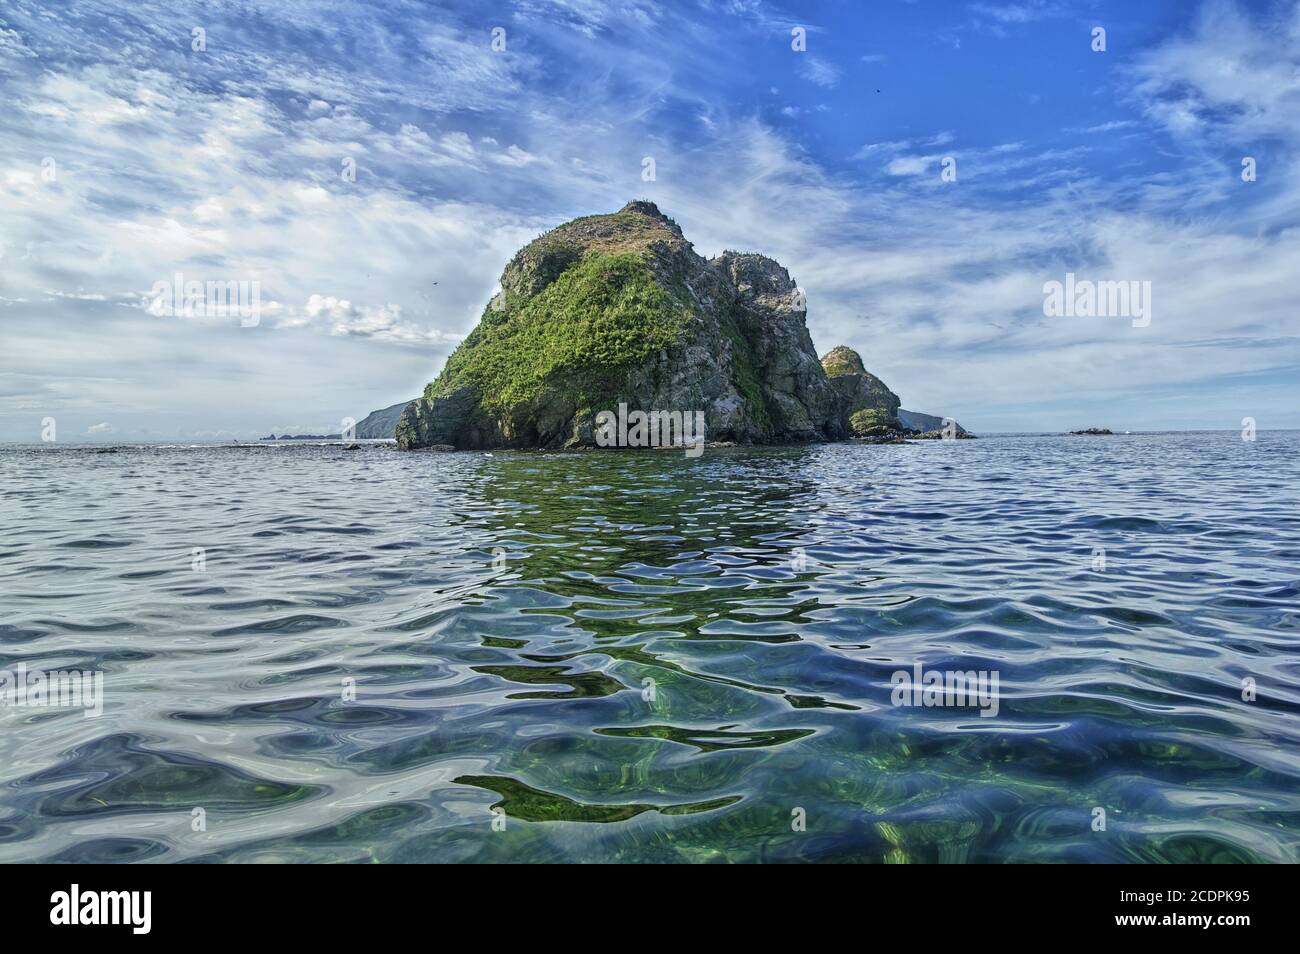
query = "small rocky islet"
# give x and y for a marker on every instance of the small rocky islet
(617, 311)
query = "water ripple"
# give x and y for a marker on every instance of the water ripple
(314, 654)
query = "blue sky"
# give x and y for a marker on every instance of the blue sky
(225, 164)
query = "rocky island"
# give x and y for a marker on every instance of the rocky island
(618, 311)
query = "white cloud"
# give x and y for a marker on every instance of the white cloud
(1112, 126)
(910, 165)
(384, 322)
(817, 70)
(514, 156)
(1232, 73)
(1026, 11)
(896, 146)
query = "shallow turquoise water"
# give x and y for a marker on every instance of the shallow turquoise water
(664, 659)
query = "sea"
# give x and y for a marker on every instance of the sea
(1021, 648)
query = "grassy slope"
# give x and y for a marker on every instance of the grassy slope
(601, 317)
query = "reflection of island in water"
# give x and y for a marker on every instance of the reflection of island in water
(623, 560)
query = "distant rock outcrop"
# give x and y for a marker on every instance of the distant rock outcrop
(1094, 432)
(920, 423)
(381, 424)
(302, 437)
(375, 426)
(618, 309)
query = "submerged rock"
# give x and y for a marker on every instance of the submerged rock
(619, 309)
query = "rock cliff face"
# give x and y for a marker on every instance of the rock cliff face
(380, 424)
(618, 309)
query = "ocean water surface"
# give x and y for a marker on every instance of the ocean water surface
(636, 656)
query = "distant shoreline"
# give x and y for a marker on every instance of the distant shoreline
(381, 441)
